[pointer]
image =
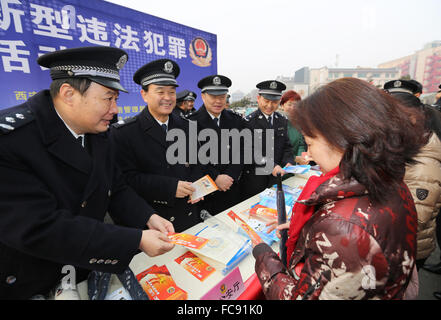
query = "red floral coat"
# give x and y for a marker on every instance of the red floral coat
(350, 248)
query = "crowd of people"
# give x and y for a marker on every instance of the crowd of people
(360, 230)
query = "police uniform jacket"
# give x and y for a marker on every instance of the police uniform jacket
(228, 120)
(54, 195)
(283, 152)
(282, 146)
(142, 150)
(219, 201)
(178, 112)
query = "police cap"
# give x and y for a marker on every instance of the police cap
(99, 64)
(418, 85)
(215, 85)
(401, 86)
(271, 89)
(160, 72)
(185, 95)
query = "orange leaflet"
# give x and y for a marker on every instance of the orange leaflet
(187, 240)
(195, 265)
(255, 238)
(265, 213)
(159, 284)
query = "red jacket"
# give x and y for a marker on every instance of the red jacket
(351, 249)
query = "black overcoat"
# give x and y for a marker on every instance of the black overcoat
(141, 153)
(54, 195)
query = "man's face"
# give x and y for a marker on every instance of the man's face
(214, 104)
(160, 99)
(267, 106)
(188, 105)
(95, 108)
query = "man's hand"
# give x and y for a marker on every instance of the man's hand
(224, 182)
(278, 169)
(160, 224)
(184, 189)
(154, 243)
(195, 201)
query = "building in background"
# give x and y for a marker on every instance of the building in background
(299, 83)
(237, 96)
(423, 66)
(377, 76)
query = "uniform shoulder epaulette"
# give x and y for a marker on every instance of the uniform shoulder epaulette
(281, 115)
(232, 111)
(183, 116)
(190, 115)
(251, 115)
(122, 123)
(14, 118)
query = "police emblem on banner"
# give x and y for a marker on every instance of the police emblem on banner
(200, 52)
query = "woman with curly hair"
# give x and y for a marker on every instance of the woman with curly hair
(354, 227)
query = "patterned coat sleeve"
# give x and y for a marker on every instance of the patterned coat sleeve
(340, 259)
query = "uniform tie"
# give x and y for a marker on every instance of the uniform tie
(164, 127)
(216, 121)
(80, 141)
(270, 122)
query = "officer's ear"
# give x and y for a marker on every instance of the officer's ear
(66, 94)
(204, 98)
(144, 92)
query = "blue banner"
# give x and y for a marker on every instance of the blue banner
(30, 28)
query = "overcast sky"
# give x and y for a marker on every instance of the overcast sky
(261, 39)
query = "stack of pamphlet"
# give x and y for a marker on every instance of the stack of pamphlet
(158, 283)
(226, 247)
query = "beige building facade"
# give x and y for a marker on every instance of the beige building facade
(376, 76)
(423, 66)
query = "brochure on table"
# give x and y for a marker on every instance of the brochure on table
(229, 259)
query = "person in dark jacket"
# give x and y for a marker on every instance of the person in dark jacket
(185, 102)
(142, 146)
(214, 116)
(59, 178)
(268, 121)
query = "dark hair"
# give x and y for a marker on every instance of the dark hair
(369, 126)
(290, 95)
(80, 84)
(428, 115)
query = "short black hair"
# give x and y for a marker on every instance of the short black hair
(79, 84)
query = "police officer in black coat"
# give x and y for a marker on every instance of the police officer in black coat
(142, 147)
(59, 178)
(273, 154)
(213, 115)
(185, 103)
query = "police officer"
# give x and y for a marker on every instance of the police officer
(185, 102)
(403, 86)
(213, 115)
(263, 121)
(59, 178)
(142, 147)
